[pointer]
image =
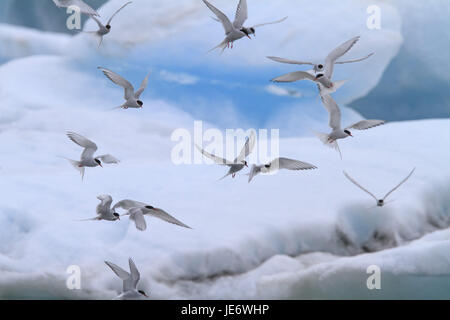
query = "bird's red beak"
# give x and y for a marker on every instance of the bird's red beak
(249, 37)
(100, 165)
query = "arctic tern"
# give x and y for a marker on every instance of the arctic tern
(87, 157)
(130, 281)
(278, 164)
(239, 163)
(380, 202)
(236, 30)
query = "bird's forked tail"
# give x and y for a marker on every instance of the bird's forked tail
(76, 165)
(325, 138)
(222, 46)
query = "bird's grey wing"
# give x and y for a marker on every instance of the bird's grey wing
(143, 86)
(122, 274)
(134, 272)
(290, 164)
(107, 158)
(288, 61)
(336, 54)
(333, 110)
(248, 148)
(294, 76)
(367, 124)
(221, 16)
(128, 204)
(110, 19)
(398, 186)
(241, 14)
(137, 216)
(84, 8)
(214, 158)
(120, 81)
(161, 214)
(99, 23)
(356, 60)
(359, 186)
(254, 171)
(89, 146)
(267, 23)
(106, 201)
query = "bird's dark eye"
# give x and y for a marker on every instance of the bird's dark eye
(267, 166)
(320, 66)
(116, 214)
(139, 102)
(150, 207)
(108, 27)
(98, 161)
(347, 132)
(319, 76)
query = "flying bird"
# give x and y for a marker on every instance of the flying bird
(104, 211)
(236, 30)
(380, 202)
(105, 29)
(322, 73)
(130, 281)
(278, 164)
(84, 8)
(131, 97)
(335, 124)
(237, 164)
(138, 210)
(87, 156)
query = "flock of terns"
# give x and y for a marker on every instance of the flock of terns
(321, 74)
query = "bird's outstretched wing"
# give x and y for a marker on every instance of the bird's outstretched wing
(134, 273)
(89, 146)
(290, 164)
(217, 160)
(248, 147)
(120, 81)
(122, 274)
(336, 54)
(294, 76)
(288, 61)
(241, 14)
(398, 186)
(333, 110)
(161, 214)
(128, 204)
(367, 124)
(107, 158)
(254, 171)
(106, 201)
(359, 186)
(110, 19)
(143, 86)
(84, 8)
(356, 60)
(99, 23)
(267, 23)
(137, 215)
(221, 16)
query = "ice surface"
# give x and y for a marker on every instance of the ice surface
(290, 235)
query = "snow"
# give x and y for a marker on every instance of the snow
(289, 235)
